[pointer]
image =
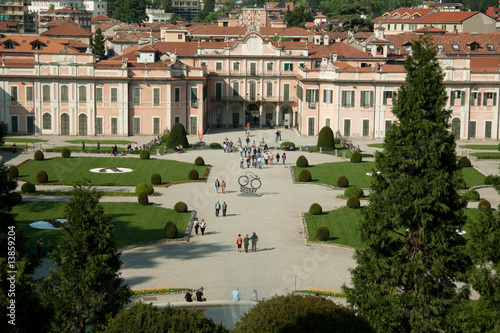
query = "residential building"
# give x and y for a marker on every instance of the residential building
(52, 18)
(157, 15)
(12, 11)
(187, 9)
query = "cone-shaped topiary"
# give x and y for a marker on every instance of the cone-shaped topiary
(180, 207)
(326, 139)
(144, 188)
(342, 181)
(28, 188)
(315, 209)
(156, 179)
(38, 155)
(305, 176)
(199, 161)
(66, 153)
(12, 172)
(144, 154)
(177, 136)
(484, 204)
(302, 162)
(353, 202)
(142, 199)
(193, 174)
(464, 162)
(356, 157)
(354, 190)
(322, 234)
(170, 230)
(42, 177)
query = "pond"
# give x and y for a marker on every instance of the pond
(229, 315)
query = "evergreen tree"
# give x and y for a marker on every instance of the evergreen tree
(130, 11)
(404, 279)
(208, 7)
(98, 44)
(86, 288)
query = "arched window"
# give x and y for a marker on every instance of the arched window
(46, 121)
(82, 124)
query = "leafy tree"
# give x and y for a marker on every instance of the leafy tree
(296, 313)
(130, 11)
(208, 7)
(98, 43)
(298, 16)
(164, 4)
(86, 288)
(404, 279)
(142, 317)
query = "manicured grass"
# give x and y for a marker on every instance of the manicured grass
(70, 170)
(16, 140)
(376, 145)
(487, 154)
(133, 223)
(472, 177)
(480, 147)
(91, 147)
(103, 142)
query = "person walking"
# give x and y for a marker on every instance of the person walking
(223, 187)
(283, 158)
(83, 145)
(196, 225)
(217, 185)
(248, 161)
(203, 225)
(246, 241)
(217, 208)
(254, 239)
(98, 145)
(224, 209)
(241, 162)
(277, 158)
(238, 242)
(271, 156)
(248, 139)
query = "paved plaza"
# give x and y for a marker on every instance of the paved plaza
(282, 263)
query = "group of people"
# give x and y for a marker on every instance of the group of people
(199, 226)
(221, 185)
(179, 149)
(199, 296)
(256, 157)
(246, 241)
(218, 207)
(236, 295)
(227, 145)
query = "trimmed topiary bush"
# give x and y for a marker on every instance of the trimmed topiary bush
(322, 234)
(342, 181)
(488, 180)
(164, 138)
(484, 204)
(170, 230)
(28, 188)
(177, 136)
(336, 141)
(144, 188)
(356, 157)
(288, 143)
(142, 199)
(12, 172)
(42, 177)
(193, 174)
(144, 154)
(305, 176)
(66, 153)
(199, 161)
(471, 195)
(15, 198)
(302, 162)
(354, 190)
(326, 139)
(215, 145)
(353, 202)
(38, 155)
(156, 179)
(315, 209)
(180, 207)
(464, 162)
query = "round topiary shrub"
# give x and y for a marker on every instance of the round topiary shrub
(15, 198)
(488, 180)
(42, 177)
(342, 181)
(464, 162)
(325, 138)
(305, 176)
(156, 179)
(302, 162)
(142, 199)
(322, 234)
(354, 190)
(66, 153)
(177, 136)
(199, 161)
(484, 204)
(353, 202)
(180, 207)
(28, 188)
(315, 209)
(38, 155)
(356, 157)
(170, 230)
(144, 154)
(193, 174)
(144, 188)
(12, 172)
(288, 143)
(471, 195)
(215, 145)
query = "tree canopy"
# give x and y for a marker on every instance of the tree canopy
(130, 11)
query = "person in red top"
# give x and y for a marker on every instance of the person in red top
(238, 241)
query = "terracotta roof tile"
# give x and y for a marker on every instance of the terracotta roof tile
(24, 44)
(404, 15)
(447, 17)
(68, 28)
(343, 50)
(101, 19)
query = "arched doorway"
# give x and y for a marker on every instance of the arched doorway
(82, 124)
(455, 128)
(64, 124)
(252, 115)
(285, 117)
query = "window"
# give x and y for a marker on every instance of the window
(392, 47)
(311, 95)
(179, 36)
(348, 98)
(156, 96)
(270, 66)
(99, 125)
(490, 47)
(299, 92)
(114, 95)
(114, 125)
(46, 93)
(269, 89)
(137, 125)
(288, 67)
(347, 127)
(14, 124)
(387, 95)
(440, 47)
(487, 129)
(472, 129)
(218, 66)
(367, 98)
(253, 68)
(98, 94)
(177, 94)
(13, 93)
(29, 93)
(488, 96)
(82, 93)
(64, 93)
(177, 119)
(236, 88)
(194, 96)
(156, 125)
(46, 121)
(407, 48)
(402, 27)
(457, 95)
(327, 122)
(136, 96)
(236, 66)
(455, 47)
(327, 96)
(366, 127)
(475, 99)
(203, 63)
(368, 47)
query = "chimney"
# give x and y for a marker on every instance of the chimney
(326, 40)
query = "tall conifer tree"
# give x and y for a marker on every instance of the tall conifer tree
(98, 47)
(404, 280)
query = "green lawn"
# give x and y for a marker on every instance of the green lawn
(480, 147)
(133, 223)
(69, 170)
(91, 147)
(472, 177)
(16, 140)
(103, 142)
(376, 145)
(488, 155)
